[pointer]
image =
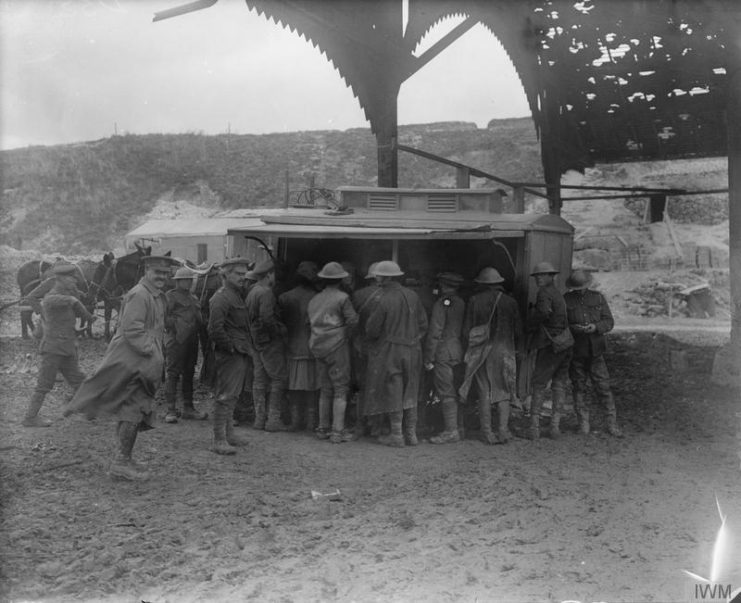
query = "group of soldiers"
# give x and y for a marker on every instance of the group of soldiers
(322, 341)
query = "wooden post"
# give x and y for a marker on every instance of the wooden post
(386, 129)
(549, 149)
(288, 193)
(462, 177)
(518, 194)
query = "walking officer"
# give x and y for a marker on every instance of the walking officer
(127, 379)
(443, 351)
(589, 319)
(229, 334)
(59, 310)
(269, 354)
(182, 324)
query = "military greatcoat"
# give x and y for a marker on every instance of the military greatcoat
(395, 329)
(493, 367)
(126, 381)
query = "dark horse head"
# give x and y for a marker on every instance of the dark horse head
(115, 276)
(31, 275)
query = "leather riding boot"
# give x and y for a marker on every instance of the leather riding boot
(395, 438)
(450, 434)
(325, 410)
(612, 426)
(171, 384)
(410, 426)
(485, 434)
(32, 418)
(582, 412)
(310, 406)
(221, 418)
(503, 433)
(123, 467)
(338, 435)
(294, 406)
(258, 400)
(275, 401)
(558, 399)
(536, 404)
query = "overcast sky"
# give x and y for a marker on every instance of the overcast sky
(74, 70)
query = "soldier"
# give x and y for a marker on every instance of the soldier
(395, 329)
(492, 364)
(348, 283)
(267, 331)
(363, 300)
(443, 351)
(229, 334)
(303, 382)
(332, 319)
(589, 319)
(59, 311)
(126, 381)
(547, 326)
(182, 324)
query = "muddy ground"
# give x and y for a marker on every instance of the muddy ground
(583, 518)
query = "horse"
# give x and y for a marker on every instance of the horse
(30, 275)
(206, 281)
(86, 269)
(115, 276)
(35, 280)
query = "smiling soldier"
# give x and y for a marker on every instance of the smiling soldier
(126, 381)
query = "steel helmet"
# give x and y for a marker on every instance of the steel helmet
(308, 270)
(543, 268)
(579, 279)
(489, 276)
(372, 270)
(387, 268)
(333, 270)
(182, 273)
